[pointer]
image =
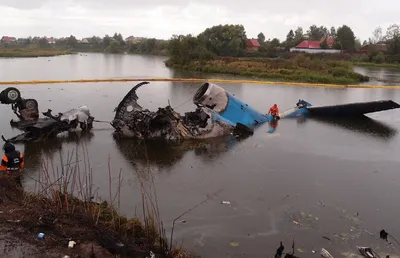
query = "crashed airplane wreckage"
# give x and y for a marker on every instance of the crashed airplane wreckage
(36, 128)
(218, 113)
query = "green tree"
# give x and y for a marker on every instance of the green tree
(225, 40)
(43, 43)
(118, 37)
(185, 49)
(290, 39)
(106, 40)
(345, 38)
(261, 37)
(357, 44)
(275, 43)
(298, 36)
(333, 32)
(377, 35)
(35, 40)
(72, 41)
(147, 45)
(95, 40)
(114, 47)
(393, 39)
(316, 33)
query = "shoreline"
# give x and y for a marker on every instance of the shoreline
(62, 217)
(383, 65)
(31, 53)
(301, 69)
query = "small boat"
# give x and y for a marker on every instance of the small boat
(367, 252)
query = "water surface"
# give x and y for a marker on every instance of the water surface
(330, 177)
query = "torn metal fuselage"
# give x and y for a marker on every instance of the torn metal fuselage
(132, 121)
(51, 125)
(36, 128)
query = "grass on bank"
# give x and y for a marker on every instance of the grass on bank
(299, 69)
(62, 206)
(370, 64)
(31, 52)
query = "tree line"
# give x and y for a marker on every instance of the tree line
(117, 44)
(109, 44)
(227, 40)
(230, 40)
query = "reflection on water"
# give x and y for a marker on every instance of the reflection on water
(364, 125)
(34, 151)
(165, 154)
(299, 160)
(380, 75)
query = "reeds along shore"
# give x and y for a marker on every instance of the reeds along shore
(300, 69)
(63, 204)
(31, 52)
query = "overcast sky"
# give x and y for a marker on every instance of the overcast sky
(161, 19)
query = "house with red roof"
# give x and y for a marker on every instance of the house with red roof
(369, 48)
(252, 45)
(314, 46)
(8, 40)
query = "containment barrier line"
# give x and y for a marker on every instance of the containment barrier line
(200, 81)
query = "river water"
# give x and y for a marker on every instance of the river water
(309, 179)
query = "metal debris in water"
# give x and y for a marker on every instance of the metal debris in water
(324, 253)
(207, 121)
(367, 252)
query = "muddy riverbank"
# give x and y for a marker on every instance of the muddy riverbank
(73, 227)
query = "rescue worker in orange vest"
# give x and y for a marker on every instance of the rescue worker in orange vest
(274, 111)
(12, 161)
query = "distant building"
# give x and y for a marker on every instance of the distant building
(133, 39)
(314, 46)
(50, 40)
(85, 41)
(252, 45)
(374, 47)
(22, 41)
(9, 40)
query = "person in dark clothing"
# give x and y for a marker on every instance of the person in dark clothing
(12, 161)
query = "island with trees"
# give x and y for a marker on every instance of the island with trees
(320, 54)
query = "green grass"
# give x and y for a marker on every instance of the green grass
(299, 69)
(32, 52)
(383, 65)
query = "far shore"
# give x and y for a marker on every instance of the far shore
(383, 65)
(32, 52)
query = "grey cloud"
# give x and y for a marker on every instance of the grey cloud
(24, 4)
(274, 18)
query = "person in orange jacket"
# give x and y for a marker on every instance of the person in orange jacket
(12, 161)
(274, 111)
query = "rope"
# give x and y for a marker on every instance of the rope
(200, 81)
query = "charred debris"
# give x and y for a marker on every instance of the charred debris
(218, 113)
(132, 121)
(34, 127)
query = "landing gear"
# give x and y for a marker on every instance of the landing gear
(10, 95)
(27, 110)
